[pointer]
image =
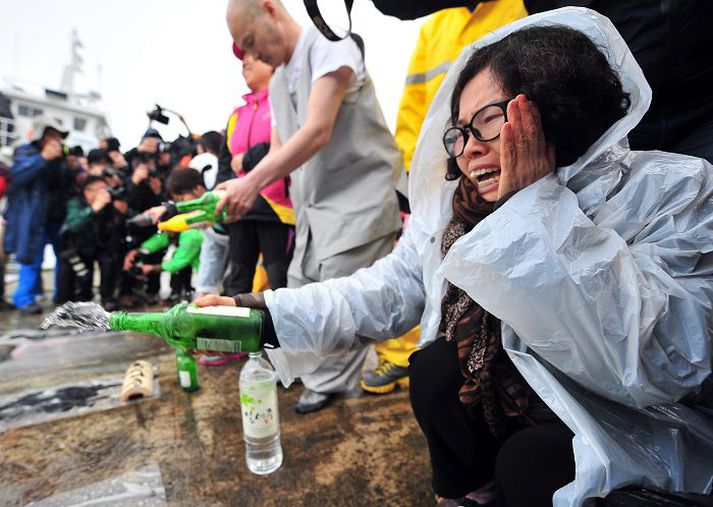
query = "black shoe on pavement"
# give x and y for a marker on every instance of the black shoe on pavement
(33, 309)
(5, 306)
(311, 401)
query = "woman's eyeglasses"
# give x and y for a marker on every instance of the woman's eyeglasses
(485, 126)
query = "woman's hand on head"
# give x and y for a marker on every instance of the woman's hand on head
(525, 155)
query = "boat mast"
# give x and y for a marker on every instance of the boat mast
(75, 65)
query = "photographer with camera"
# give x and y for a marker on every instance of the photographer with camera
(37, 201)
(118, 162)
(77, 167)
(99, 161)
(149, 147)
(116, 183)
(93, 231)
(144, 191)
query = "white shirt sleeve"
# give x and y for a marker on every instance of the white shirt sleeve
(327, 56)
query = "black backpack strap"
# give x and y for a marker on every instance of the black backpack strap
(318, 20)
(359, 42)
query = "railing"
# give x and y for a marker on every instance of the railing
(8, 135)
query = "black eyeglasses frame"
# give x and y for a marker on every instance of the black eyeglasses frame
(464, 130)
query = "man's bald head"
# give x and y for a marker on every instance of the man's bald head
(249, 8)
(260, 27)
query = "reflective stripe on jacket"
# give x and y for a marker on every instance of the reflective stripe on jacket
(440, 41)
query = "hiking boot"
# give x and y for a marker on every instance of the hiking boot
(384, 378)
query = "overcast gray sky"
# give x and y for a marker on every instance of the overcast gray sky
(175, 53)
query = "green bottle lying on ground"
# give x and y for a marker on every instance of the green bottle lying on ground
(219, 328)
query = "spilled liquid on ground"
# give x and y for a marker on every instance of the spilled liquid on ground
(81, 316)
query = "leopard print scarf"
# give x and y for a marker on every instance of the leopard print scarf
(490, 377)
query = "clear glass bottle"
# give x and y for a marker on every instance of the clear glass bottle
(260, 416)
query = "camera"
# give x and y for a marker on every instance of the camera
(117, 193)
(143, 157)
(157, 115)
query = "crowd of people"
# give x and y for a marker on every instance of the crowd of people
(80, 204)
(555, 278)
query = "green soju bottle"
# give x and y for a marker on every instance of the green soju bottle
(220, 328)
(207, 203)
(187, 370)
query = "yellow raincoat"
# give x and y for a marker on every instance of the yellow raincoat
(440, 41)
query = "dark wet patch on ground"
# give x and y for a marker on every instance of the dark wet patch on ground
(5, 351)
(59, 400)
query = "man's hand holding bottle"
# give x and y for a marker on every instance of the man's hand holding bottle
(155, 213)
(252, 300)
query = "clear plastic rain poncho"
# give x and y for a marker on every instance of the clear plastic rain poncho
(601, 274)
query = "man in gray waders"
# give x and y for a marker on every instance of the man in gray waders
(330, 137)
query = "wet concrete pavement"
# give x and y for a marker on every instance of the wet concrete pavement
(81, 445)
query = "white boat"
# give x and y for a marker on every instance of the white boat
(79, 113)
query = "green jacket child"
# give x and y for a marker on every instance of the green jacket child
(183, 185)
(186, 255)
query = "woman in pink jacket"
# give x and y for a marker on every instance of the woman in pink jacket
(269, 225)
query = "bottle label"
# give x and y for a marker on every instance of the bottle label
(184, 378)
(258, 403)
(223, 311)
(219, 345)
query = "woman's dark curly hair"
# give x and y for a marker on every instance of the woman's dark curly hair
(577, 92)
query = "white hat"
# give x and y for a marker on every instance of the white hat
(43, 122)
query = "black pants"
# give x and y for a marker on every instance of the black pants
(246, 240)
(71, 287)
(153, 280)
(528, 464)
(181, 281)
